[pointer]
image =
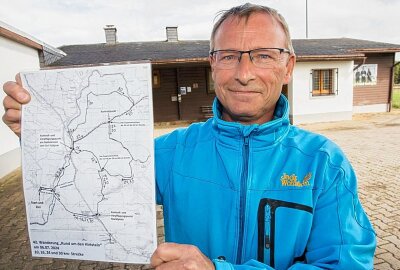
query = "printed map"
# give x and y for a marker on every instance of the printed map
(88, 163)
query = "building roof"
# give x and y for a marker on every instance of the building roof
(309, 49)
(155, 51)
(161, 52)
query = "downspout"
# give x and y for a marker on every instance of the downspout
(391, 84)
(359, 65)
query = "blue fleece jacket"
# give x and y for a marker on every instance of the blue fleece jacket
(268, 196)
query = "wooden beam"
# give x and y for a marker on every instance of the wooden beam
(329, 57)
(20, 39)
(378, 50)
(183, 60)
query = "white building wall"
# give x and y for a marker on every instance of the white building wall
(374, 108)
(306, 108)
(15, 57)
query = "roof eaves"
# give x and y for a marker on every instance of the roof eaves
(4, 32)
(377, 50)
(179, 60)
(55, 66)
(330, 57)
(26, 39)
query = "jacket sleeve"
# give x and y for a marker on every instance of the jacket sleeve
(341, 236)
(341, 233)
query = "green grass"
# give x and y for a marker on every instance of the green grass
(396, 97)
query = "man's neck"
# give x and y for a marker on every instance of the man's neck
(248, 120)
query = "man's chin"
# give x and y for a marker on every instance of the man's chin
(239, 116)
(246, 114)
(245, 97)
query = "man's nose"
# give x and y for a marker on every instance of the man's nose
(245, 69)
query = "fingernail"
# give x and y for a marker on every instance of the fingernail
(22, 96)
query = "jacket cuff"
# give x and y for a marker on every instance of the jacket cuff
(222, 265)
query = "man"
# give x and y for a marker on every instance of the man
(363, 76)
(246, 190)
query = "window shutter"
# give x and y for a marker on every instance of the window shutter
(336, 70)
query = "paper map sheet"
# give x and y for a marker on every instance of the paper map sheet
(88, 163)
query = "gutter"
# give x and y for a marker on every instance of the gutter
(180, 60)
(50, 67)
(21, 37)
(359, 65)
(377, 50)
(347, 57)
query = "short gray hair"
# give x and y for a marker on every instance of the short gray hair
(244, 11)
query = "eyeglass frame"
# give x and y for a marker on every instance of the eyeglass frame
(281, 50)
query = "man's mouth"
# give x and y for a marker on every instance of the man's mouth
(244, 91)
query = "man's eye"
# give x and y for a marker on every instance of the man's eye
(263, 56)
(228, 57)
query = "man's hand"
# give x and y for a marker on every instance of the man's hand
(15, 97)
(176, 256)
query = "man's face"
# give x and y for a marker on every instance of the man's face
(249, 93)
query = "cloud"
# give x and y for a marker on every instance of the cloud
(81, 22)
(366, 19)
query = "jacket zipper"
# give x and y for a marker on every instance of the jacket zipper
(243, 193)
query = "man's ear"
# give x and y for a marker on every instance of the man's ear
(211, 60)
(212, 63)
(289, 68)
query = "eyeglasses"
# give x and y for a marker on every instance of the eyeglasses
(262, 57)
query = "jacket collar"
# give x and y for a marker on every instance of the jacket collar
(260, 135)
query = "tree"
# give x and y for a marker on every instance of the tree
(397, 73)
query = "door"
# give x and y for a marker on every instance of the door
(192, 86)
(165, 97)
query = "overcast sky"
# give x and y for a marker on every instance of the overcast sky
(81, 21)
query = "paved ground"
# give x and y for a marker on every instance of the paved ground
(371, 142)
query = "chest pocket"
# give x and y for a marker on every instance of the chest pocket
(286, 222)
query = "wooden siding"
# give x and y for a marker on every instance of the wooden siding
(190, 106)
(171, 79)
(165, 109)
(379, 93)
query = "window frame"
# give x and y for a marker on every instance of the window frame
(156, 73)
(210, 82)
(327, 82)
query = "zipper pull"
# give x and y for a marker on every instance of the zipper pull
(246, 141)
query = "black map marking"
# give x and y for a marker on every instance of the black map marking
(74, 150)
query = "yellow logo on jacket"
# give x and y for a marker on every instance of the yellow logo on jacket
(291, 180)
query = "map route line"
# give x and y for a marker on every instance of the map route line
(88, 85)
(37, 95)
(88, 182)
(59, 177)
(103, 123)
(95, 215)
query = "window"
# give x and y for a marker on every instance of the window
(156, 78)
(365, 74)
(210, 82)
(323, 82)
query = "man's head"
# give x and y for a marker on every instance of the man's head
(244, 12)
(248, 84)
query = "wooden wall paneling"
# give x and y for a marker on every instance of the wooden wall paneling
(379, 93)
